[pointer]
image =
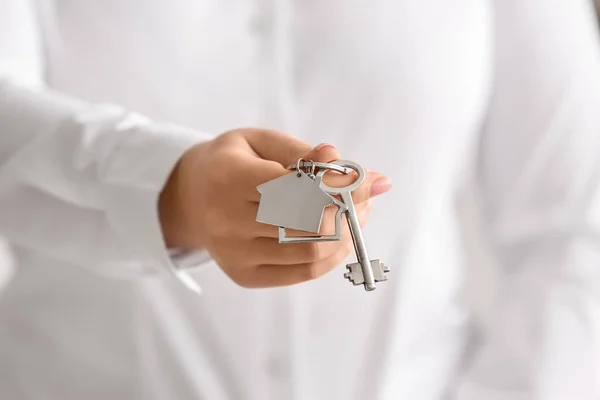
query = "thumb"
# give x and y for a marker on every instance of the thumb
(323, 152)
(285, 149)
(276, 146)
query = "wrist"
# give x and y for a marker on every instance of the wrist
(169, 210)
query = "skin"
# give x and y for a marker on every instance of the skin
(215, 210)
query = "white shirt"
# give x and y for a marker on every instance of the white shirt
(435, 94)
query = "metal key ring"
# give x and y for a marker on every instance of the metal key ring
(321, 165)
(297, 166)
(345, 164)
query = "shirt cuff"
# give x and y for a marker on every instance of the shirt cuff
(138, 171)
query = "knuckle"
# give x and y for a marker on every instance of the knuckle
(225, 138)
(314, 271)
(242, 279)
(313, 251)
(220, 172)
(217, 224)
(230, 270)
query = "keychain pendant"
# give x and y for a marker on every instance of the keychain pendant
(293, 201)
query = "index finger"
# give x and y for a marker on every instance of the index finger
(262, 171)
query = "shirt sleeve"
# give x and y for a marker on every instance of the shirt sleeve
(540, 179)
(80, 182)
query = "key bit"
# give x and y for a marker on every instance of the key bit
(355, 273)
(379, 270)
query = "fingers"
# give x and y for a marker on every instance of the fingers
(218, 199)
(270, 251)
(250, 228)
(288, 264)
(373, 185)
(285, 149)
(261, 171)
(275, 275)
(247, 227)
(276, 151)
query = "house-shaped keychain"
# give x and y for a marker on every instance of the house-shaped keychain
(293, 201)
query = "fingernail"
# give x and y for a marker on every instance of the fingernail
(380, 186)
(322, 146)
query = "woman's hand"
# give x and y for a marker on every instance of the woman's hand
(210, 202)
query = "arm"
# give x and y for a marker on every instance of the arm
(540, 174)
(78, 182)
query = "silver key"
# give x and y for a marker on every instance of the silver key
(364, 272)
